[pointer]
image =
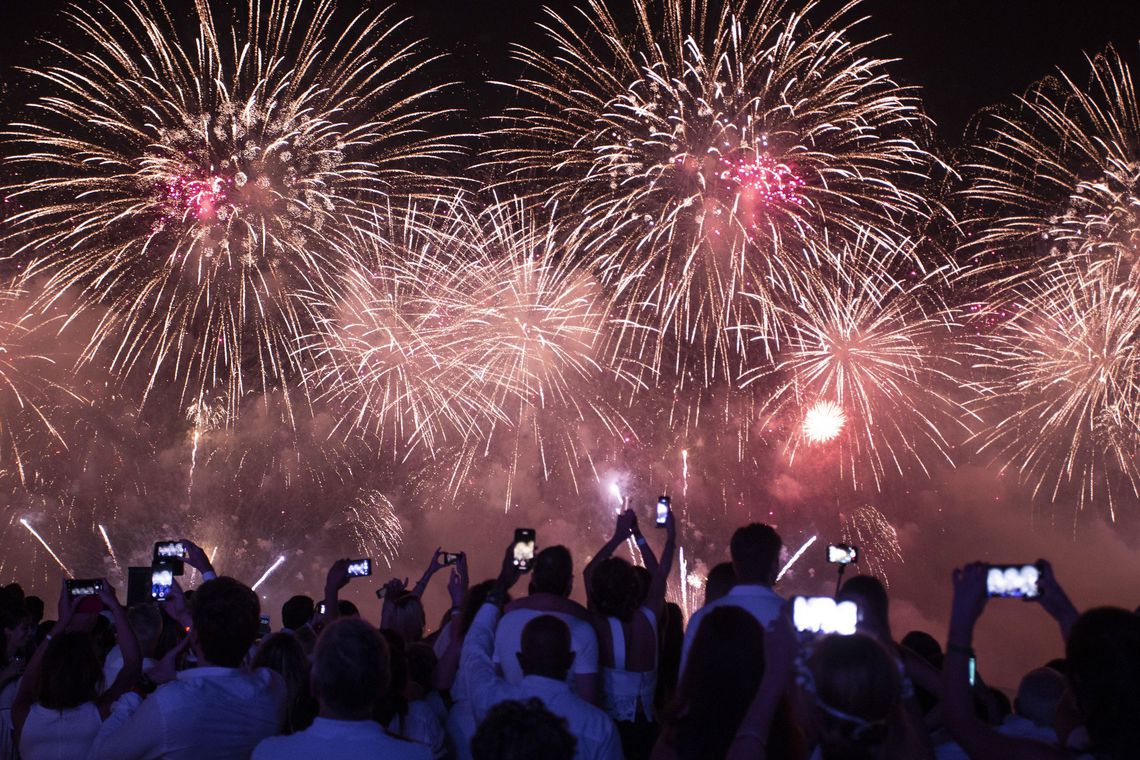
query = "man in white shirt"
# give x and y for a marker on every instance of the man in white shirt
(551, 584)
(217, 710)
(350, 669)
(544, 658)
(755, 551)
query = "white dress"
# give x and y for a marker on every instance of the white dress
(59, 734)
(623, 690)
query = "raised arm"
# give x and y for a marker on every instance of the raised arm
(623, 527)
(980, 741)
(475, 661)
(129, 645)
(433, 567)
(655, 599)
(336, 579)
(647, 555)
(30, 683)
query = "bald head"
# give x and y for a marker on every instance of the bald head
(546, 648)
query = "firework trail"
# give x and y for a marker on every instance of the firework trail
(107, 542)
(864, 366)
(878, 541)
(1058, 176)
(700, 150)
(1060, 385)
(191, 178)
(795, 557)
(38, 537)
(269, 571)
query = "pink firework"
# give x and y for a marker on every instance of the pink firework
(188, 197)
(763, 179)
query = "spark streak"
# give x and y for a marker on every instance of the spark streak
(107, 541)
(796, 556)
(34, 532)
(276, 564)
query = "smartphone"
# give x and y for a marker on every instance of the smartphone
(662, 511)
(381, 592)
(161, 581)
(842, 554)
(263, 629)
(89, 587)
(524, 548)
(973, 670)
(359, 568)
(1013, 581)
(450, 558)
(822, 614)
(171, 552)
(322, 609)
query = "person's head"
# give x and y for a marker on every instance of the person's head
(407, 617)
(853, 688)
(553, 572)
(350, 669)
(925, 646)
(146, 623)
(17, 627)
(226, 615)
(874, 606)
(719, 582)
(297, 611)
(35, 607)
(347, 609)
(614, 589)
(545, 648)
(755, 550)
(474, 599)
(521, 731)
(282, 653)
(1103, 656)
(722, 673)
(71, 673)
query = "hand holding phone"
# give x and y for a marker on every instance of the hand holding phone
(1013, 581)
(450, 558)
(523, 549)
(823, 615)
(172, 552)
(663, 507)
(359, 568)
(161, 581)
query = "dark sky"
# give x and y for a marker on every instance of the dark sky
(965, 54)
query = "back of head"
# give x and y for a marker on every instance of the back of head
(226, 615)
(297, 611)
(854, 686)
(71, 673)
(644, 580)
(722, 673)
(720, 581)
(614, 589)
(521, 731)
(553, 571)
(146, 622)
(1103, 655)
(407, 617)
(421, 664)
(347, 609)
(350, 668)
(869, 594)
(474, 598)
(925, 646)
(545, 648)
(755, 550)
(35, 607)
(282, 653)
(393, 700)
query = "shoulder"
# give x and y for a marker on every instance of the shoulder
(280, 747)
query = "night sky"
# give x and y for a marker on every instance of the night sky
(964, 54)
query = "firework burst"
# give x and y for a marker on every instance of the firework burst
(701, 149)
(1061, 384)
(878, 541)
(1058, 175)
(864, 365)
(193, 178)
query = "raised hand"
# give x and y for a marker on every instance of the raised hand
(1054, 599)
(626, 524)
(196, 557)
(337, 577)
(969, 601)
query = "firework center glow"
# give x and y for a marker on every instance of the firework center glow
(824, 421)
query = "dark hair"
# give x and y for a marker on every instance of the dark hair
(722, 674)
(475, 597)
(226, 615)
(868, 593)
(392, 701)
(407, 617)
(925, 646)
(854, 675)
(1103, 655)
(421, 664)
(35, 607)
(670, 640)
(71, 673)
(614, 589)
(553, 571)
(345, 608)
(644, 580)
(522, 731)
(297, 611)
(350, 666)
(545, 646)
(719, 582)
(282, 653)
(755, 550)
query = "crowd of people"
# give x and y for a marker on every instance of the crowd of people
(513, 673)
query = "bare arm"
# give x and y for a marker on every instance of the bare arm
(622, 529)
(30, 683)
(655, 599)
(432, 568)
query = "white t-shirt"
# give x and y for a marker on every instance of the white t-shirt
(349, 739)
(759, 601)
(59, 734)
(508, 637)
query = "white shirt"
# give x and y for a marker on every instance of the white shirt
(508, 638)
(760, 602)
(422, 726)
(59, 734)
(596, 734)
(350, 739)
(209, 712)
(1015, 725)
(113, 665)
